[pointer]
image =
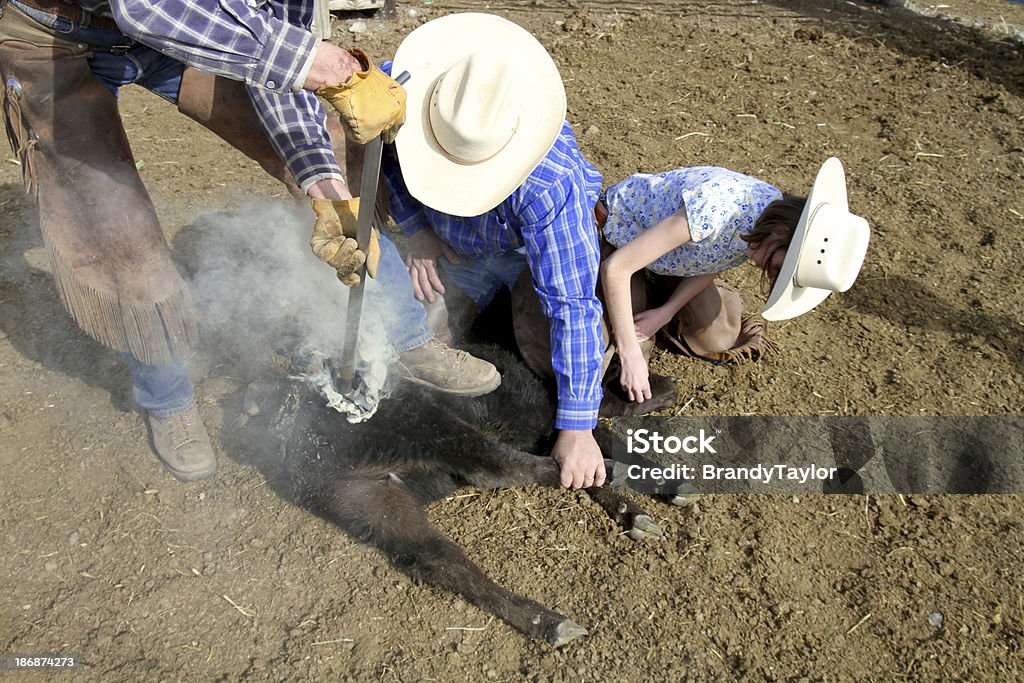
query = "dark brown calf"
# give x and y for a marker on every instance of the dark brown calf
(373, 479)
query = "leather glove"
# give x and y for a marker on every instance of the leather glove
(370, 102)
(333, 240)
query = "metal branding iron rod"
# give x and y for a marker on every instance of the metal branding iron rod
(343, 371)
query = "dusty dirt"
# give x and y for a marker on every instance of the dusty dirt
(107, 557)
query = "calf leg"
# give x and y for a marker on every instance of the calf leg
(680, 493)
(502, 467)
(385, 515)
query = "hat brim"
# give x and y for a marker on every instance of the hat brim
(433, 177)
(787, 299)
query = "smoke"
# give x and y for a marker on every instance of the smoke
(259, 289)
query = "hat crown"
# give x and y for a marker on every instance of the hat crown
(473, 111)
(833, 250)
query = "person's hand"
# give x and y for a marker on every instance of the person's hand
(424, 248)
(579, 458)
(634, 377)
(647, 323)
(333, 240)
(369, 102)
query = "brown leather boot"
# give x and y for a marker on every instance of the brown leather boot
(449, 370)
(183, 445)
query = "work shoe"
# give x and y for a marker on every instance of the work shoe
(183, 446)
(450, 370)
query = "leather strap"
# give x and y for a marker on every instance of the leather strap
(71, 13)
(600, 214)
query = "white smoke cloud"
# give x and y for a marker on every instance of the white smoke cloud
(258, 286)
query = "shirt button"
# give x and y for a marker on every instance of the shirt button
(271, 84)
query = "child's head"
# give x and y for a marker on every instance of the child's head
(770, 237)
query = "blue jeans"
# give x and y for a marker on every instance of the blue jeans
(482, 277)
(165, 390)
(390, 294)
(128, 62)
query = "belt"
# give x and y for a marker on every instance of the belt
(600, 214)
(71, 12)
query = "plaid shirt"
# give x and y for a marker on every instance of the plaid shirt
(552, 215)
(265, 43)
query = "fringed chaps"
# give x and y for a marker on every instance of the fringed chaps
(109, 257)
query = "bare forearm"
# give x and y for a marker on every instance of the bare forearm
(615, 281)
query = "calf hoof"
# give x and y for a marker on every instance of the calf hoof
(565, 632)
(642, 526)
(684, 496)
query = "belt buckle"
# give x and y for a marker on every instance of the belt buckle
(120, 50)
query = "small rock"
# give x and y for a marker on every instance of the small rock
(592, 130)
(357, 27)
(50, 566)
(935, 619)
(73, 538)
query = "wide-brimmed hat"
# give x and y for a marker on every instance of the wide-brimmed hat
(712, 326)
(826, 252)
(485, 104)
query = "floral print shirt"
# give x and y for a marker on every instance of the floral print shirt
(720, 206)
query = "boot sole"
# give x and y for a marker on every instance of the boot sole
(188, 476)
(471, 391)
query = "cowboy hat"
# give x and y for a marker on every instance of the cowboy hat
(826, 252)
(485, 104)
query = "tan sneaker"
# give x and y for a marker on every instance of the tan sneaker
(183, 446)
(450, 370)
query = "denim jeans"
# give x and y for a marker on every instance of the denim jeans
(390, 295)
(165, 390)
(482, 277)
(128, 62)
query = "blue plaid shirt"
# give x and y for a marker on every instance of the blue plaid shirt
(265, 43)
(552, 215)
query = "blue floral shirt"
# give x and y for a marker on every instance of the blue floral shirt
(720, 206)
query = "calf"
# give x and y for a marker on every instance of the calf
(373, 479)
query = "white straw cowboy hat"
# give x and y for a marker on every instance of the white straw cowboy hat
(485, 104)
(826, 252)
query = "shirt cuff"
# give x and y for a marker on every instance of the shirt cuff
(317, 177)
(575, 413)
(288, 52)
(310, 164)
(300, 80)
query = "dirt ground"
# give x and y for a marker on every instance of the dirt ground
(107, 557)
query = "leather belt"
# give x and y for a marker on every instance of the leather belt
(72, 13)
(600, 214)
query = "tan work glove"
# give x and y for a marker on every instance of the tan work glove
(333, 240)
(370, 102)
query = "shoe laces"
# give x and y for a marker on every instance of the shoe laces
(459, 355)
(181, 430)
